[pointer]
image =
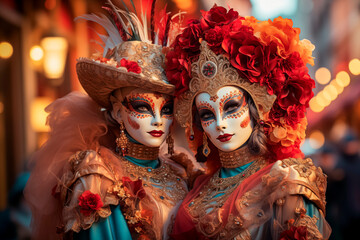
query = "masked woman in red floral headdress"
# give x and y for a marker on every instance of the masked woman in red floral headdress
(242, 89)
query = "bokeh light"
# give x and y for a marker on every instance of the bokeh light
(354, 66)
(316, 139)
(343, 78)
(331, 91)
(323, 75)
(36, 53)
(315, 106)
(6, 50)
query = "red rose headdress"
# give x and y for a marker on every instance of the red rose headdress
(265, 58)
(132, 56)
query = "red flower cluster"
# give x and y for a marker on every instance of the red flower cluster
(265, 52)
(294, 233)
(131, 66)
(135, 188)
(89, 202)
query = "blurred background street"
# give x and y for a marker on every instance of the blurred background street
(39, 45)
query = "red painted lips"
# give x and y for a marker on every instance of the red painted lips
(225, 137)
(155, 133)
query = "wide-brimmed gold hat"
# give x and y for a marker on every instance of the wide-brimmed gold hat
(101, 76)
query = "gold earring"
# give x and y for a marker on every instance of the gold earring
(170, 143)
(122, 140)
(206, 150)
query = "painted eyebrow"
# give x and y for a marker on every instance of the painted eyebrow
(230, 96)
(205, 105)
(142, 98)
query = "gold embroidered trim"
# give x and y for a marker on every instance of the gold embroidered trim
(205, 209)
(142, 152)
(170, 188)
(224, 75)
(236, 158)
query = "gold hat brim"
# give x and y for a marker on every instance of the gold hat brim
(99, 80)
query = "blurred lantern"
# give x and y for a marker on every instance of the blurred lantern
(322, 75)
(354, 66)
(55, 51)
(38, 114)
(6, 50)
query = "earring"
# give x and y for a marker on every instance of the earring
(170, 143)
(206, 149)
(122, 140)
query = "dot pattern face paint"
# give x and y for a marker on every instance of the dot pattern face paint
(140, 105)
(221, 119)
(147, 116)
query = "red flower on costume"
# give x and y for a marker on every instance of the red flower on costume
(217, 16)
(89, 202)
(131, 66)
(135, 188)
(214, 38)
(294, 233)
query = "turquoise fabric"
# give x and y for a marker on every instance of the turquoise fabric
(312, 211)
(230, 172)
(111, 228)
(115, 226)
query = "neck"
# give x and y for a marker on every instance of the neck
(236, 158)
(142, 152)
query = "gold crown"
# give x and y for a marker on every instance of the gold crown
(210, 73)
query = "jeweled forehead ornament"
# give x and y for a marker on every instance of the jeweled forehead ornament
(210, 73)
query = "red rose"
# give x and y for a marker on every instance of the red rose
(189, 39)
(217, 16)
(276, 112)
(297, 89)
(131, 66)
(89, 202)
(282, 152)
(294, 233)
(252, 58)
(135, 187)
(214, 38)
(177, 70)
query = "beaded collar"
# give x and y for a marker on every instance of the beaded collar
(142, 152)
(236, 158)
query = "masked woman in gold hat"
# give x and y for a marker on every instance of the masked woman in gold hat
(101, 174)
(242, 89)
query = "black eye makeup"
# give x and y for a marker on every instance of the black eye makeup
(167, 109)
(141, 107)
(232, 106)
(206, 114)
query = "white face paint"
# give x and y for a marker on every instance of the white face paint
(147, 116)
(226, 121)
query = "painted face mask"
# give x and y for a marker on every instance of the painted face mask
(226, 121)
(147, 116)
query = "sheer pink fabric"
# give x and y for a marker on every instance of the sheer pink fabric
(76, 124)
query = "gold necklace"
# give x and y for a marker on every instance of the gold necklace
(236, 158)
(142, 152)
(205, 208)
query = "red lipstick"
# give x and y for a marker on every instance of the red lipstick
(156, 133)
(224, 138)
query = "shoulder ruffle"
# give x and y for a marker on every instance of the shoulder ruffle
(305, 178)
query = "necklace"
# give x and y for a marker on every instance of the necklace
(142, 152)
(205, 209)
(236, 158)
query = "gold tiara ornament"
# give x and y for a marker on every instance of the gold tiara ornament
(210, 73)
